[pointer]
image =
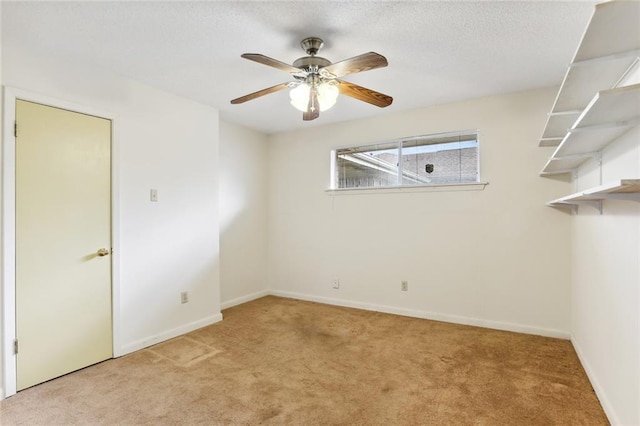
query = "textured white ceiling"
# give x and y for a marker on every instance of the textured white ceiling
(438, 51)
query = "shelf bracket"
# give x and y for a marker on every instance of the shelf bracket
(596, 204)
(574, 208)
(574, 204)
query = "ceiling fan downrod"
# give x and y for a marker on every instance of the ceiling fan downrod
(312, 45)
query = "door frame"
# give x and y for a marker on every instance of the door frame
(8, 227)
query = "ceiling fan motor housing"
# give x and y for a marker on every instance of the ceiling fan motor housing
(311, 63)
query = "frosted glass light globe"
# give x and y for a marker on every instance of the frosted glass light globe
(300, 97)
(327, 96)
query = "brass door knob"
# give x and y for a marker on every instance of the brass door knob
(103, 252)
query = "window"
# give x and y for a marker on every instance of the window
(450, 158)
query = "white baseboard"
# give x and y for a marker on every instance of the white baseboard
(506, 326)
(169, 334)
(244, 299)
(604, 401)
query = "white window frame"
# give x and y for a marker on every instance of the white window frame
(478, 184)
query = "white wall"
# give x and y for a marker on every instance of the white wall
(165, 142)
(497, 257)
(243, 214)
(606, 280)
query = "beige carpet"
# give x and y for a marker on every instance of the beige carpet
(278, 361)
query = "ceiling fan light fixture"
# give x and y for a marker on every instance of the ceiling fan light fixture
(327, 96)
(300, 97)
(317, 83)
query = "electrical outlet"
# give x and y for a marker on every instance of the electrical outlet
(404, 286)
(184, 297)
(336, 283)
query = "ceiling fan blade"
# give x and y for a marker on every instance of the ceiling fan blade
(364, 62)
(256, 57)
(363, 94)
(259, 93)
(313, 109)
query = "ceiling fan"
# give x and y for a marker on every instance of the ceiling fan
(316, 82)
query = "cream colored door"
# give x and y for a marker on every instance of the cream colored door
(63, 217)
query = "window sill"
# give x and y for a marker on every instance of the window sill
(449, 187)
